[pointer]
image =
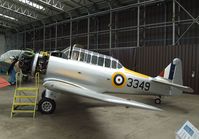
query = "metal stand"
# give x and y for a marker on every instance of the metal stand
(25, 98)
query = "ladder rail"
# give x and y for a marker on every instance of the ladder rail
(19, 95)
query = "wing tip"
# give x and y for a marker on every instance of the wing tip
(189, 89)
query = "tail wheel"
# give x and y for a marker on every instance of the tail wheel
(157, 101)
(46, 105)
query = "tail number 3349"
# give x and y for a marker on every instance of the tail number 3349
(138, 84)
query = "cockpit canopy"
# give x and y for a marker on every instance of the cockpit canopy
(91, 57)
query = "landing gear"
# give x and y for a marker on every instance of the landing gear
(46, 105)
(158, 100)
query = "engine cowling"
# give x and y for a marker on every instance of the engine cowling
(30, 64)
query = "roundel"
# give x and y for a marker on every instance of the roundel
(118, 80)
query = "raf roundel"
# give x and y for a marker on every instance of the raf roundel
(118, 80)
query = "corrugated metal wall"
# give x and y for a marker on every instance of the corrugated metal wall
(152, 60)
(153, 51)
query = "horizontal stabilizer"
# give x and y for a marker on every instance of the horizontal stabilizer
(167, 82)
(69, 87)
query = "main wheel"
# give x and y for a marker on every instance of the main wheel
(157, 101)
(46, 105)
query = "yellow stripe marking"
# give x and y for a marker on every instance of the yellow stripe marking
(136, 73)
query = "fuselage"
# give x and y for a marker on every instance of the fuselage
(103, 79)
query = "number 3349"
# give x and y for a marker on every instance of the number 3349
(137, 84)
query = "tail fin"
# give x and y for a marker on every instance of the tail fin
(173, 73)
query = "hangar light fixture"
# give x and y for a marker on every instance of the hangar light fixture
(35, 5)
(9, 17)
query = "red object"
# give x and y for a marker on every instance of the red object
(161, 74)
(3, 83)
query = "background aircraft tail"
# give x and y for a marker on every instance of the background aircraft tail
(173, 74)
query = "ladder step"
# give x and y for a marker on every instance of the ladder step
(23, 111)
(24, 104)
(26, 89)
(25, 96)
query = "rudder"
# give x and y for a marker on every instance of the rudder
(173, 73)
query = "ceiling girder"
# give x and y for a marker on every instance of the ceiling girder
(18, 10)
(9, 20)
(51, 4)
(19, 19)
(7, 25)
(32, 8)
(79, 4)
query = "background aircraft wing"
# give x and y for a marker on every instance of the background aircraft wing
(12, 53)
(64, 86)
(5, 59)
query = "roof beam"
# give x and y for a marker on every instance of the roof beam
(18, 18)
(117, 2)
(79, 4)
(6, 24)
(70, 7)
(32, 8)
(18, 10)
(94, 5)
(9, 20)
(51, 4)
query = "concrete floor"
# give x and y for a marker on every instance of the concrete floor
(81, 118)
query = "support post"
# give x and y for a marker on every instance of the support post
(144, 33)
(97, 36)
(71, 31)
(173, 23)
(56, 36)
(178, 30)
(17, 40)
(88, 33)
(138, 24)
(110, 31)
(25, 40)
(34, 39)
(165, 26)
(44, 32)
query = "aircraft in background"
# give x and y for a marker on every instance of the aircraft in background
(93, 75)
(6, 58)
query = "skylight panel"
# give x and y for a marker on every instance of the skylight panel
(35, 5)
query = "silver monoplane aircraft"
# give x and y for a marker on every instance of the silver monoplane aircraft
(93, 75)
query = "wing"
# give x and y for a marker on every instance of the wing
(5, 59)
(12, 53)
(166, 82)
(63, 86)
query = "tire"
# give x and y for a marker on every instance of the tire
(157, 101)
(46, 105)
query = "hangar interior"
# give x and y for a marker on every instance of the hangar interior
(131, 27)
(145, 35)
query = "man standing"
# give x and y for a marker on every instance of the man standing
(12, 72)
